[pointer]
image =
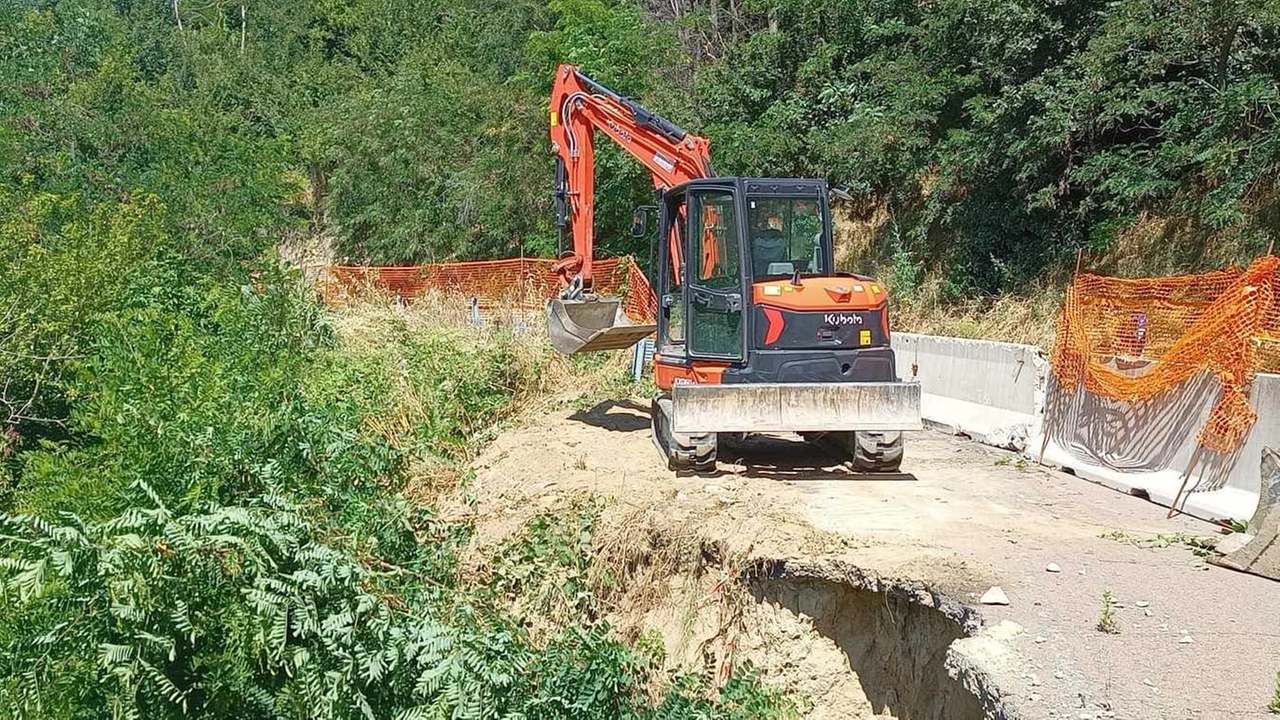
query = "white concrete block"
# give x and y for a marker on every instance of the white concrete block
(997, 393)
(986, 390)
(1144, 448)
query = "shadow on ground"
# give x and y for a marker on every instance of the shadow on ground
(770, 457)
(615, 416)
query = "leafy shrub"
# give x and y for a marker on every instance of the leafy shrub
(223, 533)
(60, 258)
(547, 569)
(244, 611)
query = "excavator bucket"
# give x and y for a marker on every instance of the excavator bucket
(591, 325)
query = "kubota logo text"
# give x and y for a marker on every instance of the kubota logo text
(841, 319)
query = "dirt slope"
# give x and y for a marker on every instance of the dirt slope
(818, 543)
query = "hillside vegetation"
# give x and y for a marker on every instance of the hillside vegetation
(983, 141)
(219, 498)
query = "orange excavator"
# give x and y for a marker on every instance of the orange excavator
(755, 330)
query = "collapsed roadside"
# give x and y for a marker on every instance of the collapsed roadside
(1102, 589)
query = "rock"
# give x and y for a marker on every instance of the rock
(1035, 680)
(1009, 437)
(1186, 640)
(1233, 542)
(1148, 613)
(1033, 697)
(1262, 556)
(1041, 638)
(1053, 568)
(1142, 603)
(1006, 630)
(1058, 674)
(994, 596)
(1081, 571)
(1147, 682)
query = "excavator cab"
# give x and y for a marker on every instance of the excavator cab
(732, 248)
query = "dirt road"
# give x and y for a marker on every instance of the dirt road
(1191, 640)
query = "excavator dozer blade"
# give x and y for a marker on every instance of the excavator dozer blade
(796, 407)
(591, 325)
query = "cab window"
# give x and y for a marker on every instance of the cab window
(671, 339)
(714, 245)
(715, 276)
(785, 235)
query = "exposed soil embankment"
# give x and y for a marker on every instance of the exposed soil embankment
(896, 648)
(730, 575)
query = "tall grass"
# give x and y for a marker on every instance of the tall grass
(1026, 317)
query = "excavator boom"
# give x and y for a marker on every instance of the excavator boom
(579, 320)
(579, 107)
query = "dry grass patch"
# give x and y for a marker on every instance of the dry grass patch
(1023, 318)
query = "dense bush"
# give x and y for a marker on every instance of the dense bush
(1001, 136)
(225, 535)
(1004, 136)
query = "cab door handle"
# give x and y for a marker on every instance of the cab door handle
(717, 302)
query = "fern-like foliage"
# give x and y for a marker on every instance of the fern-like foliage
(245, 612)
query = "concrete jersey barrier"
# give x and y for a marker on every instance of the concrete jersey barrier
(1145, 448)
(990, 391)
(998, 394)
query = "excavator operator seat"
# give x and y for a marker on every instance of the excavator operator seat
(768, 248)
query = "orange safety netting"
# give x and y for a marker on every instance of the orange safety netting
(518, 282)
(1133, 339)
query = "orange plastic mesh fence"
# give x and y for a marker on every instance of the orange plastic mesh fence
(1133, 339)
(518, 282)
